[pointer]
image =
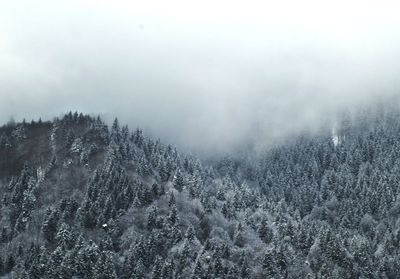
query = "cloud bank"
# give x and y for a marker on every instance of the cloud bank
(205, 76)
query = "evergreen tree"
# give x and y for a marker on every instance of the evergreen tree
(49, 227)
(156, 273)
(179, 182)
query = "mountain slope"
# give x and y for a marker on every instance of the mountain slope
(81, 200)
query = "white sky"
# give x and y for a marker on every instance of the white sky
(204, 74)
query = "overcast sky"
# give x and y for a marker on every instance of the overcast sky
(205, 75)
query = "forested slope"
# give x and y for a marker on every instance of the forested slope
(81, 200)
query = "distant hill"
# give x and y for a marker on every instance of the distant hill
(83, 200)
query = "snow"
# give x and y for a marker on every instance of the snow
(335, 137)
(335, 140)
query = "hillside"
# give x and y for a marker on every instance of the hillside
(83, 200)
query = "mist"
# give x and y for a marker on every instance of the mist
(205, 76)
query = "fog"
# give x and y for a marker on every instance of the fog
(205, 76)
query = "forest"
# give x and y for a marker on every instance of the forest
(80, 199)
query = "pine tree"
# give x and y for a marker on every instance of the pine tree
(2, 269)
(173, 216)
(64, 237)
(179, 182)
(244, 266)
(156, 272)
(49, 227)
(68, 265)
(218, 268)
(4, 236)
(152, 217)
(106, 243)
(54, 269)
(69, 139)
(239, 236)
(167, 271)
(265, 232)
(197, 272)
(164, 173)
(172, 201)
(104, 267)
(4, 141)
(115, 131)
(268, 264)
(189, 235)
(140, 269)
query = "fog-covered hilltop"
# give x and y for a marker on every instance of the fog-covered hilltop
(83, 200)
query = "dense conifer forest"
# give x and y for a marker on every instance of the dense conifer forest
(80, 199)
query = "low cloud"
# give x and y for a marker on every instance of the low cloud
(204, 79)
